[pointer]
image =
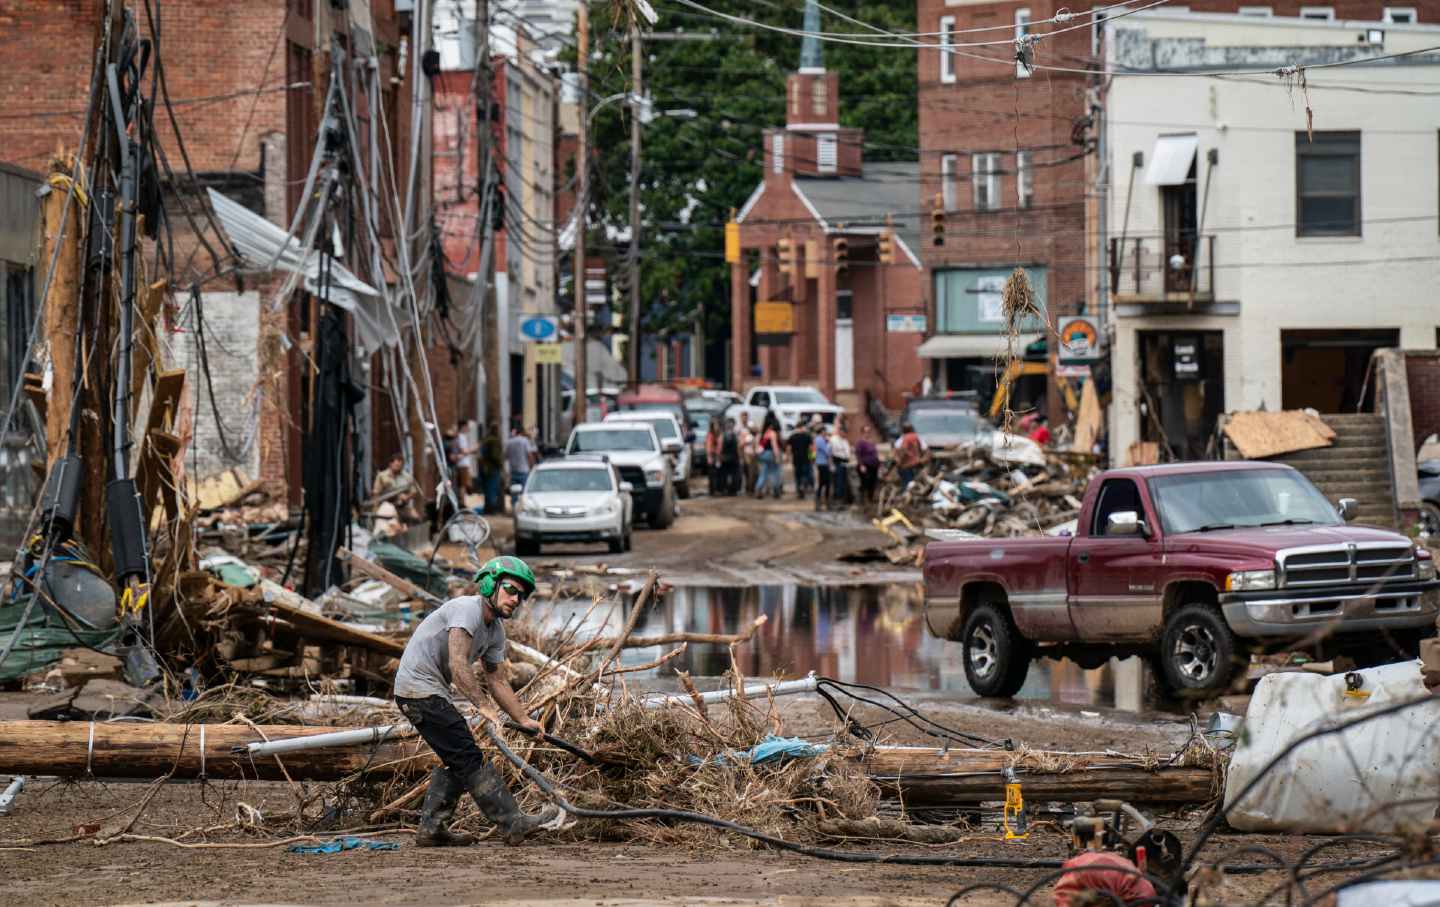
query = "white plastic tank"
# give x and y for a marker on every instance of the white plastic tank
(1339, 782)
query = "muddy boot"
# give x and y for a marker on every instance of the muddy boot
(437, 811)
(498, 805)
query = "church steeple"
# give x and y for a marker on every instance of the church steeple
(811, 60)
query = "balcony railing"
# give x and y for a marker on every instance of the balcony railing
(1160, 270)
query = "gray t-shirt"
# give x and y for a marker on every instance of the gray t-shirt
(425, 665)
(517, 453)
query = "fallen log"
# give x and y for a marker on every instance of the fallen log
(934, 777)
(1166, 785)
(122, 750)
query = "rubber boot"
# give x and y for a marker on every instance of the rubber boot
(438, 809)
(498, 805)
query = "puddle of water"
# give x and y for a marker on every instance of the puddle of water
(860, 634)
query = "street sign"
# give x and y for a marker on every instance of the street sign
(1080, 340)
(540, 327)
(905, 324)
(774, 318)
(548, 354)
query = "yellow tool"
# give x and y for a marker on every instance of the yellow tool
(1017, 825)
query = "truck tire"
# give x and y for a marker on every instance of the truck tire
(1198, 652)
(997, 657)
(662, 518)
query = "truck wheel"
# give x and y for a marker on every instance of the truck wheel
(526, 547)
(683, 489)
(1197, 652)
(662, 518)
(997, 658)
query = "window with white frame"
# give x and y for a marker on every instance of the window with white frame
(949, 181)
(1022, 28)
(1322, 13)
(777, 152)
(1258, 12)
(947, 59)
(825, 152)
(1401, 15)
(1024, 180)
(985, 178)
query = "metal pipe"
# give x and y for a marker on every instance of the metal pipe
(809, 684)
(357, 737)
(17, 784)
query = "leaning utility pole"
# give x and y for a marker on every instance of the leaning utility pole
(633, 319)
(582, 191)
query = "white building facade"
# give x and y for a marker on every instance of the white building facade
(1266, 233)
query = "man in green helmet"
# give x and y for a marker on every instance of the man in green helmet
(442, 651)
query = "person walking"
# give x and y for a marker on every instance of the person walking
(492, 467)
(730, 459)
(768, 456)
(909, 451)
(822, 466)
(520, 455)
(465, 458)
(713, 438)
(840, 455)
(442, 651)
(747, 453)
(800, 443)
(867, 464)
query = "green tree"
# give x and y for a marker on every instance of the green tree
(697, 168)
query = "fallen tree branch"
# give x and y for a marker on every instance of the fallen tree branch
(649, 665)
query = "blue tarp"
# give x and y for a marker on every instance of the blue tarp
(771, 749)
(338, 844)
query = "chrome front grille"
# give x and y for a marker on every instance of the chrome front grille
(1356, 562)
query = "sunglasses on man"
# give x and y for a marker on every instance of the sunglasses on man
(515, 589)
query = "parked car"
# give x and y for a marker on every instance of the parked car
(672, 441)
(576, 499)
(791, 404)
(943, 422)
(635, 451)
(1429, 498)
(1190, 565)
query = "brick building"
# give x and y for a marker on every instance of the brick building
(247, 83)
(815, 299)
(1010, 157)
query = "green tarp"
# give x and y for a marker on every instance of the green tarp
(43, 637)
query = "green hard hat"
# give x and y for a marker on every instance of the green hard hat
(505, 565)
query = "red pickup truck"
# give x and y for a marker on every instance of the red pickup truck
(1189, 565)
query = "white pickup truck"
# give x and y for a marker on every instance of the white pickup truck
(791, 404)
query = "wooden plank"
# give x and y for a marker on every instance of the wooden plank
(314, 626)
(1257, 435)
(220, 490)
(375, 571)
(1169, 785)
(61, 306)
(145, 351)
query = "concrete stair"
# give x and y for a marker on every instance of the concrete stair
(1356, 466)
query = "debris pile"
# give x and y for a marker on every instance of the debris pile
(976, 492)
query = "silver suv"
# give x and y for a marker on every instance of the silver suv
(578, 499)
(635, 451)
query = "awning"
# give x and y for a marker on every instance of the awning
(258, 242)
(972, 346)
(1170, 161)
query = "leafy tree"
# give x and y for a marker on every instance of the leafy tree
(696, 169)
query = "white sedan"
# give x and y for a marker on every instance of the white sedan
(578, 499)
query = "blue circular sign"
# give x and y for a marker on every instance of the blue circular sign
(539, 327)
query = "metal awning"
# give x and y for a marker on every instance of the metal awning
(972, 346)
(1170, 161)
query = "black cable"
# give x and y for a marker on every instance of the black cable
(231, 454)
(911, 715)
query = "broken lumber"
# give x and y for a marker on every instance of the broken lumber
(124, 750)
(313, 626)
(667, 639)
(375, 571)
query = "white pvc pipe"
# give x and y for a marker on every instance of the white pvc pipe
(809, 684)
(17, 784)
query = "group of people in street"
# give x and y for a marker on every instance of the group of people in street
(743, 460)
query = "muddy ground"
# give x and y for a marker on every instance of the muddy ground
(728, 541)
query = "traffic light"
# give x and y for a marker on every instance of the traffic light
(787, 255)
(937, 220)
(887, 242)
(840, 249)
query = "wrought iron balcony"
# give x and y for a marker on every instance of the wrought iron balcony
(1159, 269)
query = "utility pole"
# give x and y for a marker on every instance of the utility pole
(485, 157)
(582, 192)
(633, 319)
